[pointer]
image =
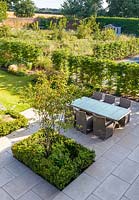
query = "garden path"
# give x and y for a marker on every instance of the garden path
(114, 175)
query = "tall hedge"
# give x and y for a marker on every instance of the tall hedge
(121, 78)
(129, 25)
(17, 52)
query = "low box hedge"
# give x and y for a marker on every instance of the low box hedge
(66, 160)
(7, 126)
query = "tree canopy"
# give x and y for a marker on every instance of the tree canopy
(24, 8)
(124, 8)
(3, 10)
(81, 8)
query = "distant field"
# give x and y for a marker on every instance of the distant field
(11, 15)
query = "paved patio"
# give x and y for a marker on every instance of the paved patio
(114, 175)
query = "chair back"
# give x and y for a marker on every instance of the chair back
(80, 117)
(97, 95)
(109, 99)
(98, 123)
(125, 103)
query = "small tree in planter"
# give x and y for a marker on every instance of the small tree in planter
(51, 97)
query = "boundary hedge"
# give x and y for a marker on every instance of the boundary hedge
(129, 25)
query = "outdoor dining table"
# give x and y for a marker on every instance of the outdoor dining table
(101, 108)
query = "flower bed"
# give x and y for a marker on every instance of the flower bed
(65, 162)
(11, 121)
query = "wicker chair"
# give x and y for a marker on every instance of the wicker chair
(102, 128)
(109, 99)
(125, 103)
(97, 95)
(84, 122)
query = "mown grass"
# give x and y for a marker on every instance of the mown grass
(11, 87)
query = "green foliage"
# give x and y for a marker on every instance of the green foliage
(17, 52)
(121, 78)
(51, 96)
(66, 161)
(24, 8)
(87, 27)
(124, 8)
(81, 9)
(8, 126)
(129, 25)
(3, 10)
(4, 31)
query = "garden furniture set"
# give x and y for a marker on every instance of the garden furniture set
(101, 114)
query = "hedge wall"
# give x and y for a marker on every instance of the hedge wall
(129, 25)
(121, 78)
(65, 162)
(12, 52)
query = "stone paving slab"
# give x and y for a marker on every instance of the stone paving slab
(133, 192)
(114, 175)
(81, 187)
(112, 188)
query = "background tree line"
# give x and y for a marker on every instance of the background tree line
(77, 8)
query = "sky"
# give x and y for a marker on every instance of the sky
(50, 3)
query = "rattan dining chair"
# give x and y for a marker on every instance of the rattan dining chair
(84, 122)
(109, 99)
(97, 95)
(102, 128)
(124, 103)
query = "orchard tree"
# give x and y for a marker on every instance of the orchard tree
(3, 10)
(124, 8)
(24, 8)
(81, 8)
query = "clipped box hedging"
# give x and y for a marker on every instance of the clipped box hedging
(120, 78)
(129, 25)
(7, 126)
(13, 52)
(66, 160)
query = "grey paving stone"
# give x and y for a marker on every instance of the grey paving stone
(5, 159)
(30, 196)
(128, 170)
(16, 168)
(124, 198)
(21, 184)
(134, 155)
(111, 189)
(4, 195)
(133, 192)
(101, 169)
(130, 141)
(45, 190)
(81, 187)
(5, 176)
(117, 153)
(92, 197)
(62, 196)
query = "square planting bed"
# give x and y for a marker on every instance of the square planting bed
(66, 159)
(11, 121)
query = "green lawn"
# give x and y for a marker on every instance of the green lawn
(10, 86)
